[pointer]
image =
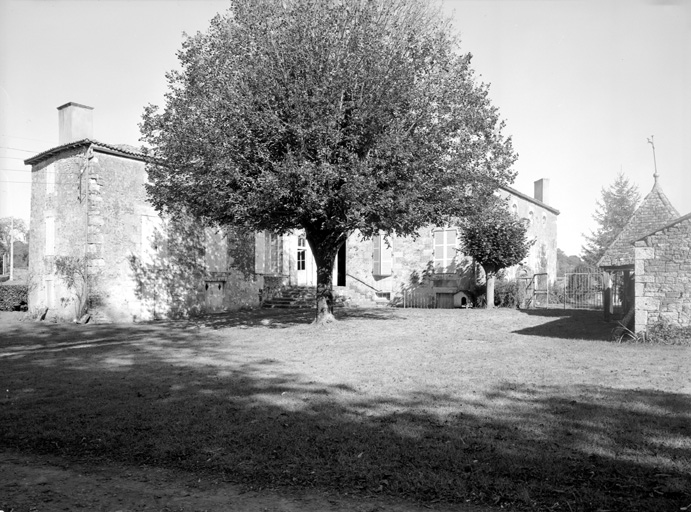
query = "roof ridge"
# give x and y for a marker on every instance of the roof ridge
(82, 142)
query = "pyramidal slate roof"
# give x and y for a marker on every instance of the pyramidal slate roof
(654, 212)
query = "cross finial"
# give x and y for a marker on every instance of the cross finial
(651, 141)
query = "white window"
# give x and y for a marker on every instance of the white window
(445, 250)
(382, 255)
(50, 236)
(302, 252)
(50, 179)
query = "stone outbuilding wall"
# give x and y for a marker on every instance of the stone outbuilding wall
(663, 276)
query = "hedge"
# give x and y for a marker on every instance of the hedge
(12, 296)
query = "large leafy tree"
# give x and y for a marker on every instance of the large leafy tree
(327, 116)
(614, 210)
(496, 238)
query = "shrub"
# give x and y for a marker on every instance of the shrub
(507, 293)
(665, 334)
(13, 297)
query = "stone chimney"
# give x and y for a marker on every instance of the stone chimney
(76, 122)
(542, 190)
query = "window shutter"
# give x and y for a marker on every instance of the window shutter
(450, 250)
(50, 236)
(382, 256)
(376, 255)
(259, 252)
(386, 257)
(439, 250)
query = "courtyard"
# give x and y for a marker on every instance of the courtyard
(388, 409)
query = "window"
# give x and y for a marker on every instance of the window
(50, 236)
(50, 179)
(382, 255)
(302, 249)
(530, 218)
(514, 209)
(445, 250)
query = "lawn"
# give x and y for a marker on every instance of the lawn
(531, 410)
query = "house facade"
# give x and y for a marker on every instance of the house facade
(98, 242)
(386, 267)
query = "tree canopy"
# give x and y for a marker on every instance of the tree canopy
(614, 210)
(327, 116)
(7, 224)
(497, 239)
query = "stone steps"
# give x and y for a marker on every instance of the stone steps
(296, 297)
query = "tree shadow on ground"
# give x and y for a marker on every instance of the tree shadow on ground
(144, 400)
(569, 324)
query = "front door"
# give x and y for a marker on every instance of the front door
(306, 268)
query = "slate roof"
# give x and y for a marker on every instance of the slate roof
(654, 213)
(529, 199)
(114, 149)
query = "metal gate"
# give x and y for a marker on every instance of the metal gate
(583, 290)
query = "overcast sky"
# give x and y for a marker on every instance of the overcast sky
(582, 84)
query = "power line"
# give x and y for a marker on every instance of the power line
(13, 157)
(24, 138)
(19, 149)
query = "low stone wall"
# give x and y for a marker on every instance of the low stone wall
(663, 276)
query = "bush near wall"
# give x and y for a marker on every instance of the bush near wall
(663, 333)
(12, 296)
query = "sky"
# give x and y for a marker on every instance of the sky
(581, 84)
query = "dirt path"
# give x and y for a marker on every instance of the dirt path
(47, 484)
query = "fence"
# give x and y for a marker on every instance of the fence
(421, 298)
(583, 290)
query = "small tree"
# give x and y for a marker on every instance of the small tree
(10, 229)
(330, 117)
(614, 210)
(497, 239)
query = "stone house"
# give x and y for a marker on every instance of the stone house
(663, 276)
(96, 240)
(383, 268)
(654, 212)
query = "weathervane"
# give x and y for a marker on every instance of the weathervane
(652, 143)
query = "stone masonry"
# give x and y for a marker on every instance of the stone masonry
(663, 276)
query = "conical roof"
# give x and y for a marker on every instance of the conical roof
(654, 212)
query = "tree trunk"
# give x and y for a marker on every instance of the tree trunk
(324, 250)
(490, 290)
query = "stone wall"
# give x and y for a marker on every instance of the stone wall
(58, 205)
(138, 266)
(663, 276)
(412, 258)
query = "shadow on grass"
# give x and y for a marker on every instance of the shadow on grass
(281, 318)
(139, 398)
(569, 324)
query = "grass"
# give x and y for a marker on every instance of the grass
(526, 410)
